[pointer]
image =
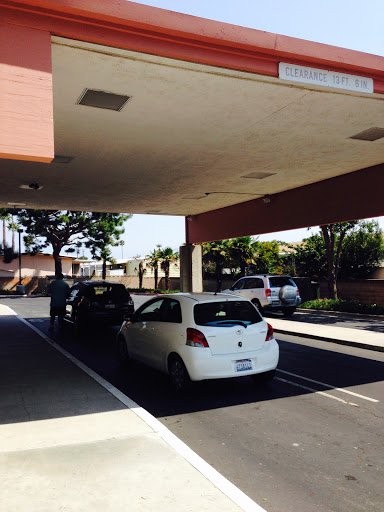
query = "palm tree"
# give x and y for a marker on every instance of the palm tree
(4, 215)
(216, 253)
(167, 257)
(240, 252)
(140, 270)
(13, 226)
(154, 260)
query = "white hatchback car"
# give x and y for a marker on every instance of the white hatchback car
(198, 336)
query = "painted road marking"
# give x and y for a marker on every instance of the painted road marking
(329, 386)
(316, 391)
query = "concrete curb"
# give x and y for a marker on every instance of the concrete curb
(366, 346)
(340, 313)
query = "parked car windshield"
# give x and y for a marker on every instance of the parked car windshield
(280, 281)
(226, 313)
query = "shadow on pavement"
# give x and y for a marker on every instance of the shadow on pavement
(151, 389)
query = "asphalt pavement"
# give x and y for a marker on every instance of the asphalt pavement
(69, 440)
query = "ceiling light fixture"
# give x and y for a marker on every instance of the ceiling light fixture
(267, 199)
(103, 99)
(371, 134)
(31, 186)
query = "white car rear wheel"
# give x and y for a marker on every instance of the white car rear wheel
(122, 351)
(178, 374)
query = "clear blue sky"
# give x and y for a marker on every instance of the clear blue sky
(350, 24)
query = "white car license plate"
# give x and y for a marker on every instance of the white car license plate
(243, 364)
(110, 306)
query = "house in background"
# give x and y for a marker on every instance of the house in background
(125, 267)
(40, 265)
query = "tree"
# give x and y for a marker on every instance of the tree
(140, 271)
(104, 232)
(13, 226)
(216, 254)
(349, 249)
(66, 228)
(240, 252)
(8, 253)
(363, 250)
(309, 256)
(266, 258)
(167, 257)
(334, 235)
(4, 216)
(154, 260)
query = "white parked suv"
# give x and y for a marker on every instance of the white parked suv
(269, 292)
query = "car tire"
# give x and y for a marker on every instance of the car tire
(122, 351)
(288, 311)
(178, 374)
(264, 378)
(257, 305)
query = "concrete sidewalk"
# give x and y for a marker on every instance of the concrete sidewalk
(71, 441)
(342, 335)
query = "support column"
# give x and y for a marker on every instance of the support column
(191, 268)
(26, 101)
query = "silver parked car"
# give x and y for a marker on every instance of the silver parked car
(269, 292)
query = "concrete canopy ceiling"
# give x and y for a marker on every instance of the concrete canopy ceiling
(189, 136)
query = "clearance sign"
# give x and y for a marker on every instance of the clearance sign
(324, 77)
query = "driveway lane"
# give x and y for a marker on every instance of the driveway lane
(287, 448)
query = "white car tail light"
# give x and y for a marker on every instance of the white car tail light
(269, 335)
(196, 338)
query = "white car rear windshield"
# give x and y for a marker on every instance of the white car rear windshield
(226, 313)
(280, 281)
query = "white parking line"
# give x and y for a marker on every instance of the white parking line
(329, 386)
(316, 392)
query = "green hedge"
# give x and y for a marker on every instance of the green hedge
(346, 306)
(151, 290)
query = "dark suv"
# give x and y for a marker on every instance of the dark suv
(98, 302)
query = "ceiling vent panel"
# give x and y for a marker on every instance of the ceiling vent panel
(259, 175)
(371, 134)
(102, 99)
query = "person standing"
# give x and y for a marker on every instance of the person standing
(59, 291)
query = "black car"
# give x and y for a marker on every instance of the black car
(98, 303)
